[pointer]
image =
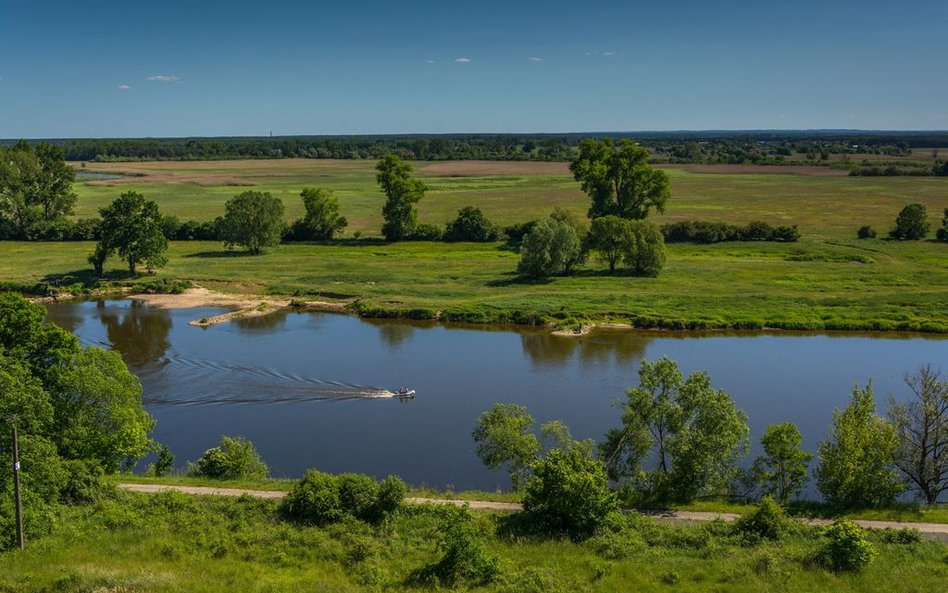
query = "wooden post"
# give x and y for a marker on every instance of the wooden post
(16, 488)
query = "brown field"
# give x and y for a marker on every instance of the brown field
(748, 168)
(484, 168)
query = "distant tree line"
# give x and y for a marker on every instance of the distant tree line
(763, 147)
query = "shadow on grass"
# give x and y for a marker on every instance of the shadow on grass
(87, 278)
(514, 279)
(223, 253)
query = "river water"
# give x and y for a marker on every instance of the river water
(304, 386)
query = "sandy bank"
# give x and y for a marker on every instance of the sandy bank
(244, 306)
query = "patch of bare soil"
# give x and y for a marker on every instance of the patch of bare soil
(486, 168)
(772, 169)
(245, 306)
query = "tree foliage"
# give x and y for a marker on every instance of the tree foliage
(782, 469)
(618, 179)
(610, 236)
(645, 253)
(320, 498)
(253, 220)
(234, 458)
(921, 425)
(35, 186)
(846, 547)
(856, 461)
(322, 220)
(402, 192)
(470, 225)
(568, 492)
(133, 227)
(504, 435)
(942, 234)
(551, 248)
(695, 432)
(911, 224)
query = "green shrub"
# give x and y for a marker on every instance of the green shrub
(358, 495)
(165, 461)
(866, 232)
(911, 224)
(768, 522)
(568, 492)
(321, 499)
(391, 495)
(314, 500)
(904, 536)
(83, 483)
(233, 459)
(470, 225)
(464, 556)
(846, 547)
(425, 232)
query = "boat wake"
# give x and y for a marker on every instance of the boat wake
(219, 383)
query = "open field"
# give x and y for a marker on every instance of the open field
(173, 542)
(829, 280)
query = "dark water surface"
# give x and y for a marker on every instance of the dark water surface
(304, 386)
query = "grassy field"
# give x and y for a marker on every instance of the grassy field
(175, 543)
(829, 280)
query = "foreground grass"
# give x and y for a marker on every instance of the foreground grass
(176, 543)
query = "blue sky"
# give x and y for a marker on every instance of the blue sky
(210, 67)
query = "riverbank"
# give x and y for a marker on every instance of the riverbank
(814, 285)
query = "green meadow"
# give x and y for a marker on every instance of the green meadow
(828, 280)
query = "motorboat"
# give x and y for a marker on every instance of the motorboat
(404, 392)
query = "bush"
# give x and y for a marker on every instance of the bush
(314, 500)
(866, 232)
(165, 462)
(942, 234)
(83, 483)
(358, 495)
(846, 547)
(425, 232)
(568, 492)
(392, 492)
(321, 499)
(768, 522)
(516, 232)
(911, 224)
(700, 231)
(235, 458)
(470, 225)
(465, 558)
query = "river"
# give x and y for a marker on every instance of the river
(303, 386)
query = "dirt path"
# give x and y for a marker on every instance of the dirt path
(937, 531)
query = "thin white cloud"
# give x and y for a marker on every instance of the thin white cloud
(124, 87)
(429, 61)
(535, 59)
(163, 78)
(608, 53)
(462, 60)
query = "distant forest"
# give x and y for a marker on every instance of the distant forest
(757, 147)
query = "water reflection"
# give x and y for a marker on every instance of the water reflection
(263, 324)
(137, 331)
(599, 349)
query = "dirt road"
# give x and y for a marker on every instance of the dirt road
(937, 531)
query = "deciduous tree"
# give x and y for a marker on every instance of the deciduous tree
(322, 220)
(504, 436)
(402, 192)
(921, 426)
(132, 226)
(857, 459)
(782, 469)
(911, 224)
(618, 179)
(694, 431)
(253, 220)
